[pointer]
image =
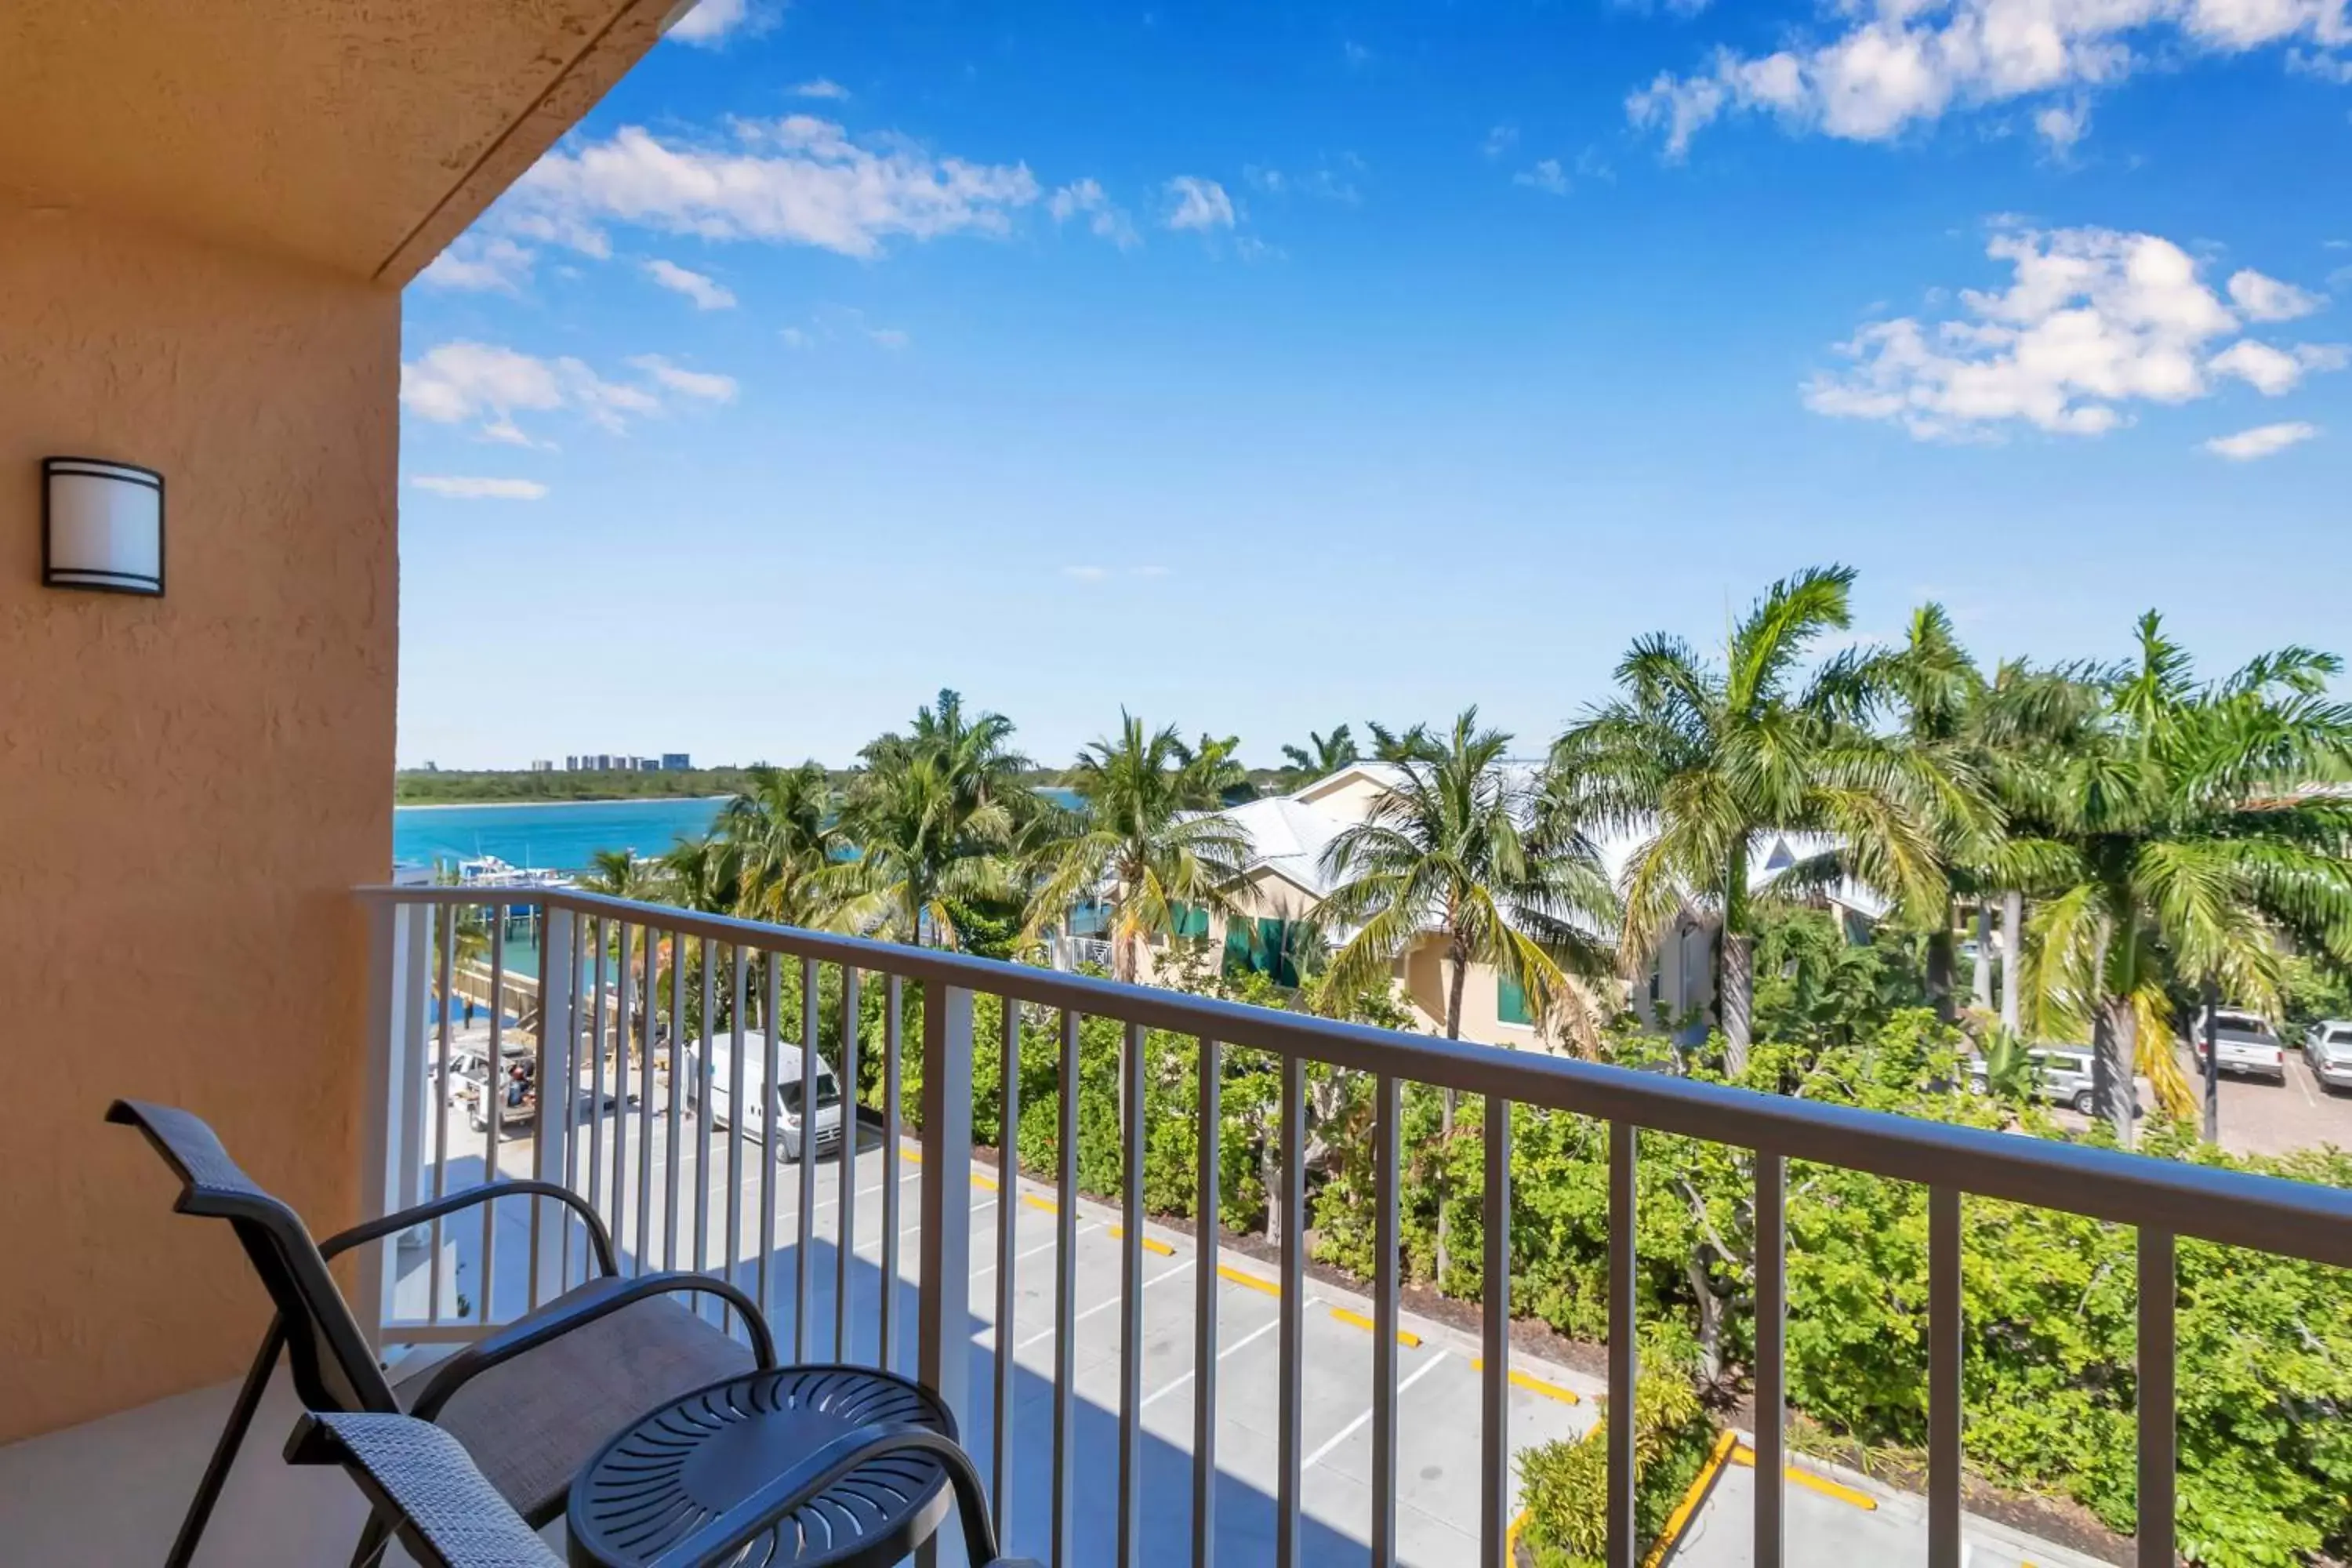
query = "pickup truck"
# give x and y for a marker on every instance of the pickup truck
(2244, 1042)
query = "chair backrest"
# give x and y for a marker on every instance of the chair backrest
(335, 1369)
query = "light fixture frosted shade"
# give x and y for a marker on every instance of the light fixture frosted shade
(102, 525)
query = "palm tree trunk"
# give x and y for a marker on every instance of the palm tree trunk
(2012, 955)
(1940, 965)
(1737, 999)
(1980, 989)
(1447, 1105)
(2114, 1031)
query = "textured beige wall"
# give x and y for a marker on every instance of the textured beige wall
(188, 786)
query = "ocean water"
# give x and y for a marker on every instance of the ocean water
(562, 836)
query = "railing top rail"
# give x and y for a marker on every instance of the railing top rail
(2294, 1219)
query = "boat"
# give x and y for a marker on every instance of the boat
(490, 871)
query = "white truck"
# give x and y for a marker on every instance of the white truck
(2244, 1042)
(779, 1106)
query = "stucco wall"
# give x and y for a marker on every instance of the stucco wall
(188, 786)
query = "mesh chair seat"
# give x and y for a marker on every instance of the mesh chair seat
(530, 1424)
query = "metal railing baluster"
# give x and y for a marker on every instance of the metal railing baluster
(1008, 1211)
(624, 1002)
(674, 1145)
(1624, 1347)
(1066, 1299)
(946, 1314)
(893, 1048)
(771, 1104)
(1287, 1436)
(1771, 1359)
(649, 999)
(739, 983)
(803, 1273)
(442, 1091)
(1130, 1299)
(1945, 1328)
(2158, 1289)
(494, 1094)
(1209, 1097)
(706, 1082)
(1388, 1154)
(844, 1220)
(553, 1129)
(1495, 1341)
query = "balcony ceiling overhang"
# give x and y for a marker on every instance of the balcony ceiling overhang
(360, 137)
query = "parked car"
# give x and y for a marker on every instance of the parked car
(2063, 1075)
(2244, 1042)
(781, 1105)
(2328, 1048)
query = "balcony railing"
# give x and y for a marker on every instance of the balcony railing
(600, 960)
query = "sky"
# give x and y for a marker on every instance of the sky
(1259, 367)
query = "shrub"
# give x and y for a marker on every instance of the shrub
(1564, 1485)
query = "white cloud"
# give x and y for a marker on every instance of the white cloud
(458, 382)
(1356, 55)
(834, 324)
(706, 292)
(1250, 247)
(2093, 320)
(1547, 176)
(464, 488)
(2061, 125)
(796, 338)
(2268, 300)
(474, 263)
(1093, 573)
(1499, 140)
(1199, 204)
(1893, 64)
(2261, 441)
(1086, 198)
(1087, 573)
(823, 87)
(892, 338)
(711, 22)
(796, 180)
(708, 386)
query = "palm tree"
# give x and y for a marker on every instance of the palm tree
(2187, 846)
(1701, 758)
(935, 819)
(624, 874)
(794, 865)
(1460, 848)
(1149, 825)
(1322, 756)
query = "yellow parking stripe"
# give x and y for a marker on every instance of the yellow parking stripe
(1691, 1499)
(1511, 1537)
(1151, 1243)
(1405, 1337)
(1744, 1455)
(1533, 1385)
(1252, 1280)
(1034, 1202)
(987, 1182)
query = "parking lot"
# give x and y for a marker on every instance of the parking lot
(2259, 1117)
(1832, 1518)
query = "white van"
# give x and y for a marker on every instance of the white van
(783, 1104)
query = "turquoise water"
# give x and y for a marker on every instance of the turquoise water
(562, 836)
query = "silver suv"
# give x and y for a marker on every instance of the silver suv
(2328, 1048)
(2063, 1075)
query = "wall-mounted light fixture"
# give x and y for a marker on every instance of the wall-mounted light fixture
(101, 526)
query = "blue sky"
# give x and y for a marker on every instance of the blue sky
(1261, 367)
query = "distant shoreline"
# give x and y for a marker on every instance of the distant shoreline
(541, 804)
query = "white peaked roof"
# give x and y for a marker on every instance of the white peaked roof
(1288, 836)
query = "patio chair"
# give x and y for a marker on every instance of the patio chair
(531, 1401)
(449, 1516)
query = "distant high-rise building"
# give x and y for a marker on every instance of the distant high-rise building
(677, 763)
(542, 767)
(572, 763)
(648, 766)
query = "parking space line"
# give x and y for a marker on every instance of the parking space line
(1405, 1337)
(1106, 1306)
(990, 1267)
(1360, 1422)
(1034, 1202)
(1532, 1385)
(979, 1180)
(1681, 1517)
(1186, 1375)
(1744, 1455)
(1226, 1271)
(1151, 1243)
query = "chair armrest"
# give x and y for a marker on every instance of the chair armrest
(421, 1479)
(598, 1298)
(717, 1542)
(392, 1224)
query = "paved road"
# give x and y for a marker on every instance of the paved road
(2259, 1117)
(1438, 1459)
